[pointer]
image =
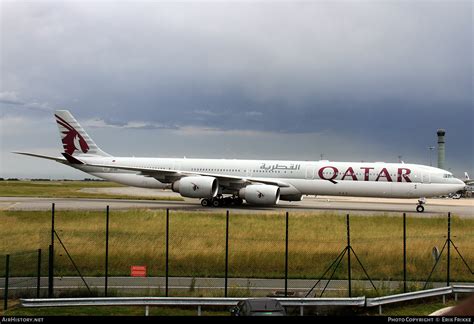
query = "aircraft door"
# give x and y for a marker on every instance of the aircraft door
(310, 172)
(426, 178)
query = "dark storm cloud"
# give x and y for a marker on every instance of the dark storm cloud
(389, 71)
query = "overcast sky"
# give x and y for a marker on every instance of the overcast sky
(352, 80)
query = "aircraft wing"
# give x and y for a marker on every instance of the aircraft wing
(167, 175)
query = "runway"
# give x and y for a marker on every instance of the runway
(435, 207)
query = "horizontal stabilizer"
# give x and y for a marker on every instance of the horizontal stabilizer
(58, 159)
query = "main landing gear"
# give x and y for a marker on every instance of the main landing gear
(220, 201)
(421, 202)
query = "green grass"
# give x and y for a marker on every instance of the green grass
(256, 244)
(15, 309)
(66, 189)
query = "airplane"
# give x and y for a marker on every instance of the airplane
(469, 189)
(219, 182)
(468, 180)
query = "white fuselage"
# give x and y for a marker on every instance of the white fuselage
(396, 180)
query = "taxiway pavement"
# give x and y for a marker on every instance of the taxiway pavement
(355, 206)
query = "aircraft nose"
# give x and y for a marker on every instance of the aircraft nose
(460, 182)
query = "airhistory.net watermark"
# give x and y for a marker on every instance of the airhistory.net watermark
(15, 319)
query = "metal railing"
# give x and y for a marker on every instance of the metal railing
(462, 289)
(379, 301)
(211, 301)
(185, 301)
(208, 301)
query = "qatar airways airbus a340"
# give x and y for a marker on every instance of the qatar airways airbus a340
(260, 182)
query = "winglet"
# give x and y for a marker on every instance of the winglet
(71, 159)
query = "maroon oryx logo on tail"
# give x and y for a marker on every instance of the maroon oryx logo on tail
(71, 139)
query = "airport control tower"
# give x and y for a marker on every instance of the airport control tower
(441, 148)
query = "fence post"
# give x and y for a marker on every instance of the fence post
(52, 225)
(50, 272)
(226, 252)
(7, 274)
(349, 256)
(404, 253)
(51, 255)
(449, 252)
(167, 249)
(38, 275)
(107, 252)
(286, 256)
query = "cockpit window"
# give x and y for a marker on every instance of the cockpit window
(447, 175)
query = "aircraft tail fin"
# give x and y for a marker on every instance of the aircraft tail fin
(466, 176)
(74, 138)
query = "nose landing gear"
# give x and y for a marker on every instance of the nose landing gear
(421, 202)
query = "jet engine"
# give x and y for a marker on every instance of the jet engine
(196, 187)
(260, 194)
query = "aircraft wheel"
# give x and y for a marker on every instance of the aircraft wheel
(216, 203)
(420, 208)
(205, 203)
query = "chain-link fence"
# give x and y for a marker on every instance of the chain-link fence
(22, 274)
(180, 253)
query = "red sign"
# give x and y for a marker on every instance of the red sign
(138, 271)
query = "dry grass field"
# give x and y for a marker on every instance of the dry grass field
(256, 243)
